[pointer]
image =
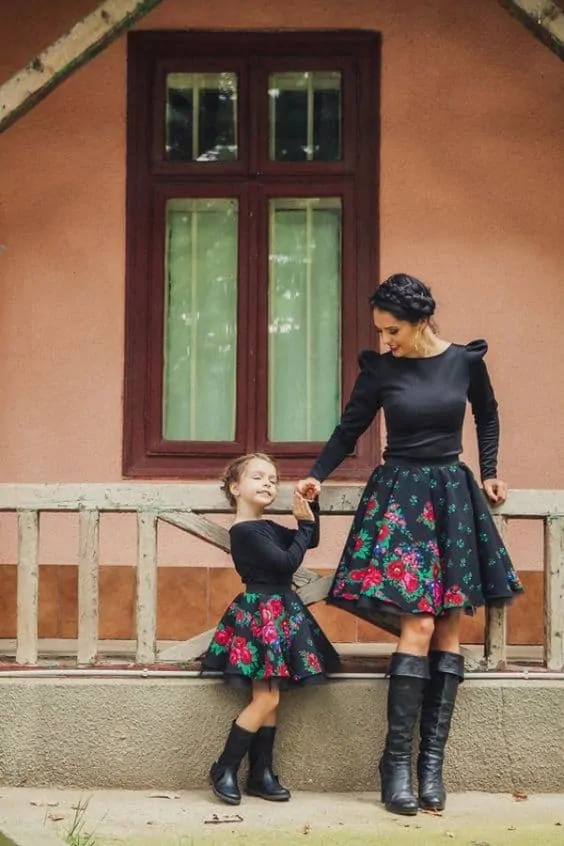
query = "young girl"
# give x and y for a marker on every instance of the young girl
(267, 639)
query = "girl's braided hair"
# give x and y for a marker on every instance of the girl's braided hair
(232, 472)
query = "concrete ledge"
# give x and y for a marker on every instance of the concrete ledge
(164, 733)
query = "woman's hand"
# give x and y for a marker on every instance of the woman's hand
(495, 490)
(300, 508)
(310, 488)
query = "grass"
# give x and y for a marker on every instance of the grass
(76, 835)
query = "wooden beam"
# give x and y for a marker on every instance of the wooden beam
(495, 640)
(76, 48)
(199, 526)
(544, 18)
(202, 497)
(146, 606)
(554, 593)
(28, 587)
(88, 593)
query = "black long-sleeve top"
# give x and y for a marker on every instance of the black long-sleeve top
(424, 404)
(267, 553)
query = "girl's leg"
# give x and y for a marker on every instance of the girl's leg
(264, 702)
(409, 673)
(263, 781)
(447, 671)
(223, 773)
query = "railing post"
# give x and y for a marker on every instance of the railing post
(28, 587)
(554, 593)
(495, 641)
(146, 607)
(88, 565)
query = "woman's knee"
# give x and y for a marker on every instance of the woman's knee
(418, 627)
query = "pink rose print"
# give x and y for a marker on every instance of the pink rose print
(357, 575)
(269, 633)
(223, 636)
(453, 596)
(313, 662)
(384, 532)
(373, 578)
(410, 581)
(276, 606)
(425, 606)
(395, 570)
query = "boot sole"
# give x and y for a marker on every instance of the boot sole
(425, 807)
(268, 797)
(403, 812)
(227, 799)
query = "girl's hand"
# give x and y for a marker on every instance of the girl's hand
(495, 490)
(300, 508)
(310, 488)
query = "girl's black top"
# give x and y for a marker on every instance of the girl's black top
(424, 404)
(266, 553)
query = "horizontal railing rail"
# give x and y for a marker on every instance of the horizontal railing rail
(184, 506)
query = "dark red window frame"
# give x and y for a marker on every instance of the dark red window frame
(151, 180)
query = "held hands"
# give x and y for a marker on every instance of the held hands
(300, 508)
(495, 490)
(309, 488)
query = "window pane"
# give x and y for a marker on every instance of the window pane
(200, 320)
(305, 116)
(201, 117)
(304, 354)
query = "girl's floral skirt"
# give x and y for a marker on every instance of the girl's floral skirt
(423, 542)
(268, 634)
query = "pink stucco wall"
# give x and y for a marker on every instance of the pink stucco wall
(471, 201)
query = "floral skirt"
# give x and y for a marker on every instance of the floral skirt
(423, 542)
(268, 634)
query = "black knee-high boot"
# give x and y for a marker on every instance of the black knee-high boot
(223, 773)
(408, 676)
(447, 671)
(262, 780)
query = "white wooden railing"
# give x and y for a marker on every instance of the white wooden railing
(183, 506)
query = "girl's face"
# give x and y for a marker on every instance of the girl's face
(257, 483)
(400, 336)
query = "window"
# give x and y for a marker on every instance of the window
(252, 243)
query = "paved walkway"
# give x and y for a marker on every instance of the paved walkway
(43, 817)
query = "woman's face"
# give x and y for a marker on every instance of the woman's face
(400, 336)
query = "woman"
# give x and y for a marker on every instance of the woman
(423, 544)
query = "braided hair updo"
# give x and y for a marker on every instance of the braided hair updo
(405, 297)
(236, 468)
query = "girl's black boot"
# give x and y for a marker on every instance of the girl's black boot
(262, 780)
(223, 773)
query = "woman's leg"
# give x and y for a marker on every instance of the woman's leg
(447, 671)
(263, 781)
(223, 773)
(409, 673)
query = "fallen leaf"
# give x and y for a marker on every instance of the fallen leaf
(558, 823)
(56, 817)
(449, 834)
(306, 829)
(433, 812)
(520, 797)
(511, 828)
(164, 796)
(44, 804)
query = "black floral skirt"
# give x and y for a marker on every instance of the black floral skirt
(268, 634)
(423, 542)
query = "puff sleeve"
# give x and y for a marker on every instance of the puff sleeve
(359, 412)
(484, 409)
